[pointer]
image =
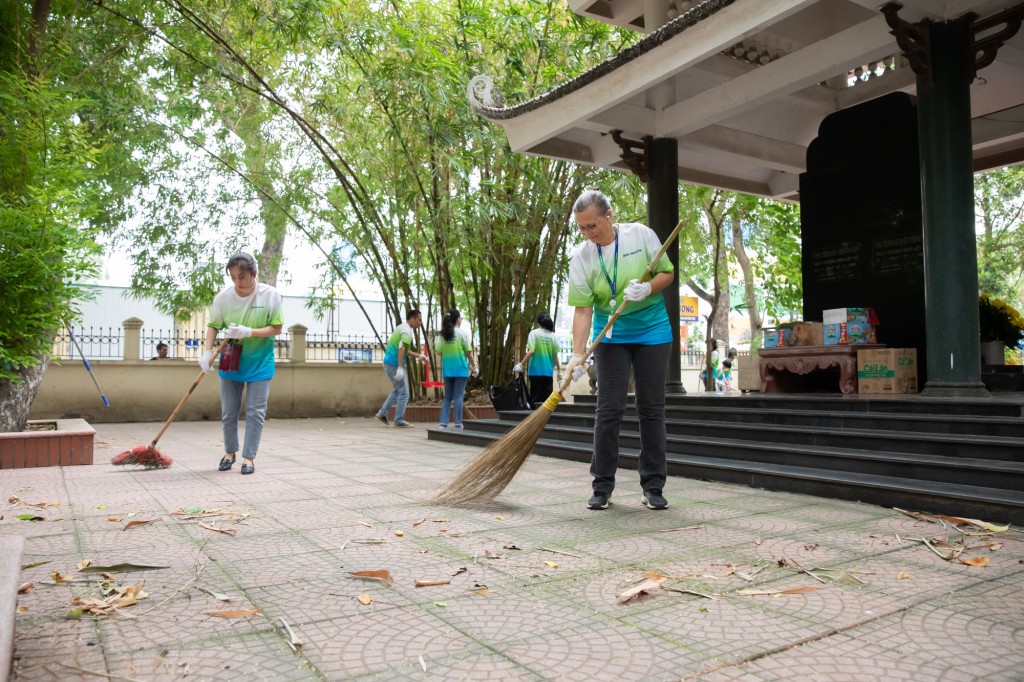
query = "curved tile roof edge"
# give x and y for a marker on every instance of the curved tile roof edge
(691, 17)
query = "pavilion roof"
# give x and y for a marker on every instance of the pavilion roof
(744, 84)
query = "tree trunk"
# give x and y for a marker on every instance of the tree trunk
(748, 276)
(16, 397)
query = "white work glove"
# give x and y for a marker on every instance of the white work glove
(204, 362)
(637, 290)
(475, 372)
(237, 331)
(399, 374)
(518, 369)
(578, 370)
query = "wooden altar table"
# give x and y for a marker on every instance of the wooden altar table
(802, 360)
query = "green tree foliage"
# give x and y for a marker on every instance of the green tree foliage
(53, 163)
(999, 205)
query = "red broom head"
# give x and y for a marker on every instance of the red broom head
(143, 455)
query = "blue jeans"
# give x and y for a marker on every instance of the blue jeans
(648, 366)
(399, 396)
(257, 394)
(454, 392)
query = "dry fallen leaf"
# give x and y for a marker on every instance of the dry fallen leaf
(643, 587)
(440, 520)
(133, 524)
(552, 564)
(25, 587)
(22, 609)
(483, 591)
(382, 575)
(416, 523)
(902, 575)
(83, 564)
(794, 590)
(365, 599)
(974, 561)
(461, 569)
(423, 664)
(58, 578)
(431, 583)
(226, 531)
(494, 555)
(368, 525)
(114, 519)
(991, 527)
(400, 533)
(240, 613)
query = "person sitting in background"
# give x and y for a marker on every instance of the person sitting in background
(161, 351)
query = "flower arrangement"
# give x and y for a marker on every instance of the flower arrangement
(1000, 321)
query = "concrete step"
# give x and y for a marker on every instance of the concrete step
(1012, 427)
(992, 504)
(11, 548)
(1008, 405)
(994, 473)
(952, 445)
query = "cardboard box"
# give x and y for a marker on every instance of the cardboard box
(859, 331)
(887, 371)
(834, 333)
(777, 337)
(807, 334)
(839, 315)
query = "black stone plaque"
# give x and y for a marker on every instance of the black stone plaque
(861, 220)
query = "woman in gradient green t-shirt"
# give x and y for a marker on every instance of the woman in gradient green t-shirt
(457, 364)
(251, 314)
(541, 359)
(605, 271)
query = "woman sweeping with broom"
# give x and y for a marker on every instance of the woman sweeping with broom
(252, 315)
(643, 343)
(605, 271)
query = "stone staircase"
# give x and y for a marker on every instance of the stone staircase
(963, 457)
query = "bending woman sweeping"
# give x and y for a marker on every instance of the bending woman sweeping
(541, 359)
(603, 272)
(250, 313)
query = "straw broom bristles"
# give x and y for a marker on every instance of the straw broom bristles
(486, 476)
(491, 472)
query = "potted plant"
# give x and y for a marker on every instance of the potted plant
(1001, 327)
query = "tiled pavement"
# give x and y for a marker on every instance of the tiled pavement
(551, 570)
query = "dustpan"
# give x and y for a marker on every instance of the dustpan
(428, 383)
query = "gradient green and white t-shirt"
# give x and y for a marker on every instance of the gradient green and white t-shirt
(454, 362)
(402, 336)
(544, 345)
(257, 362)
(645, 322)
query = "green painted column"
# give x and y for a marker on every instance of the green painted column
(662, 216)
(947, 194)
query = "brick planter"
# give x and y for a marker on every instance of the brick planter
(67, 445)
(432, 413)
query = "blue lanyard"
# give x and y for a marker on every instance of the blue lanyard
(612, 281)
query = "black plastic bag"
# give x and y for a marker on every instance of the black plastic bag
(511, 396)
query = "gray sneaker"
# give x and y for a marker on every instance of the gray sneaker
(402, 424)
(599, 501)
(382, 418)
(654, 499)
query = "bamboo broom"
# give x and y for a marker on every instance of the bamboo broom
(147, 455)
(486, 476)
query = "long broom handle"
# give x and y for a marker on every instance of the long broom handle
(182, 401)
(87, 367)
(622, 306)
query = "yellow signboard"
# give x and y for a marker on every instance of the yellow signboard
(688, 309)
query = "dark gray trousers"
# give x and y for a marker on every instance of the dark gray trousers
(648, 364)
